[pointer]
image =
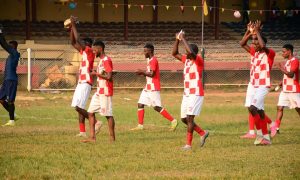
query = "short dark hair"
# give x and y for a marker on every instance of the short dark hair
(88, 40)
(264, 39)
(149, 46)
(99, 43)
(288, 47)
(194, 48)
(14, 43)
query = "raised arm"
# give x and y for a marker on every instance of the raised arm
(187, 46)
(259, 38)
(175, 51)
(4, 44)
(246, 37)
(75, 36)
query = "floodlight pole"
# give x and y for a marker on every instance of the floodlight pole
(29, 69)
(202, 35)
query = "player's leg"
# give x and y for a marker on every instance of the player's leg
(283, 101)
(111, 127)
(92, 122)
(166, 115)
(195, 104)
(190, 130)
(79, 101)
(95, 106)
(143, 100)
(251, 122)
(11, 91)
(298, 111)
(257, 110)
(156, 103)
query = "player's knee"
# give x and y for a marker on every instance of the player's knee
(157, 108)
(140, 105)
(77, 108)
(184, 120)
(252, 109)
(280, 108)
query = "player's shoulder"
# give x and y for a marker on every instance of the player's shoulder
(154, 59)
(106, 58)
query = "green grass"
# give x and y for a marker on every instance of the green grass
(43, 146)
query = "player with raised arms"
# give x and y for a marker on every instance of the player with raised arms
(150, 95)
(262, 59)
(193, 89)
(102, 99)
(85, 80)
(290, 94)
(8, 90)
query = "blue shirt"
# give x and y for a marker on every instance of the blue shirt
(10, 72)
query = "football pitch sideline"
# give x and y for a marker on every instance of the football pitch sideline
(43, 145)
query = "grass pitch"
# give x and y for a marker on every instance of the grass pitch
(43, 144)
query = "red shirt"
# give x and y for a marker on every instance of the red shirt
(261, 65)
(104, 86)
(192, 73)
(86, 65)
(291, 84)
(153, 83)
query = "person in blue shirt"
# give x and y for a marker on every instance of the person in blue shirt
(8, 89)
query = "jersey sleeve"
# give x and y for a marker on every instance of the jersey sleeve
(294, 65)
(90, 56)
(153, 64)
(200, 62)
(108, 65)
(183, 58)
(252, 51)
(271, 57)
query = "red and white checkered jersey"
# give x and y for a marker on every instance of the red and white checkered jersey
(192, 74)
(153, 83)
(291, 84)
(86, 65)
(104, 86)
(261, 65)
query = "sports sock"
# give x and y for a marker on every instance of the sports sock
(257, 121)
(251, 123)
(269, 121)
(11, 110)
(82, 127)
(141, 113)
(189, 138)
(277, 123)
(198, 129)
(165, 114)
(264, 126)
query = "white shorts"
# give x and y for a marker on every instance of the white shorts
(291, 100)
(81, 95)
(150, 98)
(191, 105)
(101, 104)
(256, 96)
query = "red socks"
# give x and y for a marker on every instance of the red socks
(251, 122)
(269, 121)
(165, 114)
(257, 121)
(277, 122)
(82, 127)
(189, 138)
(198, 129)
(141, 113)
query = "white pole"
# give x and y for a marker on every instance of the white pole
(202, 23)
(29, 69)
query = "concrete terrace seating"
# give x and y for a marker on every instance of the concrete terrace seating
(112, 32)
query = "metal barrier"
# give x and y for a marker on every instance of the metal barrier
(225, 64)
